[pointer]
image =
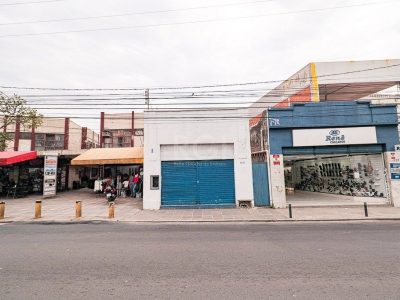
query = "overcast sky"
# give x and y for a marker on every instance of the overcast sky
(290, 34)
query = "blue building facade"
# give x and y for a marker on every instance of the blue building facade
(343, 148)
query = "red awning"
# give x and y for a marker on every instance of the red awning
(9, 158)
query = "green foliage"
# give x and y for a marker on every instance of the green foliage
(13, 109)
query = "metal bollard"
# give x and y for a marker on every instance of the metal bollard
(365, 209)
(290, 211)
(38, 209)
(111, 210)
(78, 209)
(2, 209)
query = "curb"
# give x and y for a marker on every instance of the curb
(71, 222)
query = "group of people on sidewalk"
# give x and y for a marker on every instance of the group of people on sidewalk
(123, 186)
(132, 185)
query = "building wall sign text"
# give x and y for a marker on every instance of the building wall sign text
(334, 136)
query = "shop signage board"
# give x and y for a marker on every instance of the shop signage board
(394, 157)
(50, 175)
(334, 136)
(395, 171)
(276, 160)
(394, 163)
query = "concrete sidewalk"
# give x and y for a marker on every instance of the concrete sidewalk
(95, 208)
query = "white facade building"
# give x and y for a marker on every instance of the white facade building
(197, 158)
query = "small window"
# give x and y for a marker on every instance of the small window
(120, 142)
(40, 136)
(154, 182)
(25, 136)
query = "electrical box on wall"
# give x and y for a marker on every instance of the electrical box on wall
(154, 182)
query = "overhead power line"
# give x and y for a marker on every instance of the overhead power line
(250, 93)
(340, 110)
(31, 2)
(194, 86)
(224, 117)
(195, 21)
(98, 103)
(224, 92)
(343, 112)
(152, 120)
(156, 108)
(135, 13)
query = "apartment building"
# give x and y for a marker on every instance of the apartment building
(60, 135)
(121, 130)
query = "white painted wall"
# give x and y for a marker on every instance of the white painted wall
(50, 125)
(73, 175)
(75, 137)
(277, 178)
(200, 151)
(93, 137)
(138, 141)
(118, 121)
(24, 145)
(185, 128)
(393, 185)
(122, 120)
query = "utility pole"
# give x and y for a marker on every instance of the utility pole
(147, 98)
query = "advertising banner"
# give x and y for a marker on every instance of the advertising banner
(50, 175)
(334, 136)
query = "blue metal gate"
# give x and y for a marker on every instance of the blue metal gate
(260, 184)
(197, 183)
(178, 183)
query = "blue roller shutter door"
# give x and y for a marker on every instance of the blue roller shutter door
(178, 183)
(197, 183)
(216, 183)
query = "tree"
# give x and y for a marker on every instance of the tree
(12, 110)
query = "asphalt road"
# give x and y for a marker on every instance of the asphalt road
(253, 261)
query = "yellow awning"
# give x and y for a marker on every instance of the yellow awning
(110, 156)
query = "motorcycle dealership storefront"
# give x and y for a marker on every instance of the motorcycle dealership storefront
(332, 153)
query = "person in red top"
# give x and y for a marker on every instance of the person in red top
(134, 185)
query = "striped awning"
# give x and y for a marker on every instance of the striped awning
(110, 156)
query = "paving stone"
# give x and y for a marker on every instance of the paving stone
(62, 208)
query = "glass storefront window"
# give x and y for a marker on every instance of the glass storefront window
(358, 175)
